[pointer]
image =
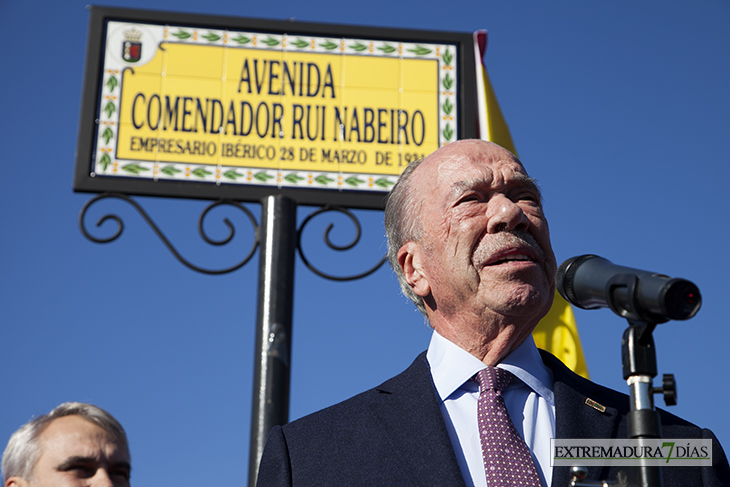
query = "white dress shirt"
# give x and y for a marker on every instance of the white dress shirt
(529, 400)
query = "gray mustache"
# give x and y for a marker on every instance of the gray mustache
(502, 240)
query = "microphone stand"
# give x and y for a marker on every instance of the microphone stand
(638, 357)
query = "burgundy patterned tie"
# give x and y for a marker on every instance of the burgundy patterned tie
(507, 461)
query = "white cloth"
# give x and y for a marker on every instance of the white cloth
(529, 400)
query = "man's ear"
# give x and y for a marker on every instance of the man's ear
(410, 259)
(16, 482)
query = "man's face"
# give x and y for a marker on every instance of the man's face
(76, 452)
(484, 235)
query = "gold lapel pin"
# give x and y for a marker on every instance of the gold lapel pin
(595, 405)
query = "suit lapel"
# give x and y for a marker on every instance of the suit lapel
(579, 413)
(409, 409)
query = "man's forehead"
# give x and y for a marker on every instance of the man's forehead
(464, 171)
(476, 154)
(74, 432)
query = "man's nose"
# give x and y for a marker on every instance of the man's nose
(504, 215)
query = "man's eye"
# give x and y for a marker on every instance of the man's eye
(531, 197)
(120, 473)
(82, 471)
(469, 197)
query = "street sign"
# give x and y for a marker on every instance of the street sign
(219, 107)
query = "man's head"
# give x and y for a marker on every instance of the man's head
(470, 243)
(76, 444)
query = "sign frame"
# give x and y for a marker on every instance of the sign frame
(86, 181)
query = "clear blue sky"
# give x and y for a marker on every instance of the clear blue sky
(621, 110)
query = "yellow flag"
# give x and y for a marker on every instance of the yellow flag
(557, 332)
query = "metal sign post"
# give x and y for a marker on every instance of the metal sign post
(277, 243)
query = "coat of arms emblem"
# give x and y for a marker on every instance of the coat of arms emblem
(132, 46)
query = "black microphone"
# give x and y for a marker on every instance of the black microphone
(591, 282)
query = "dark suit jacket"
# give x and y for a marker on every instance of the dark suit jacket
(395, 435)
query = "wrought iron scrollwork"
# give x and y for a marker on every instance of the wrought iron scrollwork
(165, 240)
(230, 236)
(332, 245)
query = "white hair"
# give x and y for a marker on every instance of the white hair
(401, 226)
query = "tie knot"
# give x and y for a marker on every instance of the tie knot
(494, 378)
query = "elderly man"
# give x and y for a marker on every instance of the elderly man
(470, 244)
(76, 444)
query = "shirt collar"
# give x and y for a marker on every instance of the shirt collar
(452, 367)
